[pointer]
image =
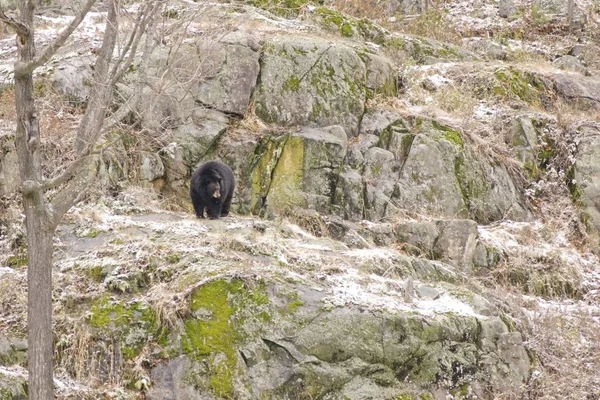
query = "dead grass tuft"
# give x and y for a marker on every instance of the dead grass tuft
(544, 276)
(565, 345)
(433, 24)
(372, 9)
(169, 308)
(460, 103)
(309, 220)
(13, 297)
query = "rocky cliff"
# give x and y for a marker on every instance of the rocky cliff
(416, 212)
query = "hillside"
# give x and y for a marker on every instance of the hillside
(416, 211)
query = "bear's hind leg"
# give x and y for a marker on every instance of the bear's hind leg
(226, 205)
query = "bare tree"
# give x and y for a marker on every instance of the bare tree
(43, 211)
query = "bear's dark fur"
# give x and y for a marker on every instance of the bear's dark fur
(212, 188)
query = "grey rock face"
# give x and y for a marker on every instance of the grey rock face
(173, 381)
(570, 63)
(506, 8)
(427, 181)
(524, 139)
(452, 241)
(151, 167)
(350, 194)
(353, 353)
(12, 351)
(234, 73)
(199, 135)
(299, 169)
(584, 91)
(489, 49)
(309, 81)
(72, 77)
(381, 75)
(587, 173)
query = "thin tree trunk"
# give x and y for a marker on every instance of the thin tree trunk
(39, 230)
(39, 305)
(41, 216)
(570, 6)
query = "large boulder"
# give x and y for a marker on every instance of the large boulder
(234, 68)
(71, 76)
(298, 169)
(586, 173)
(311, 81)
(427, 181)
(581, 90)
(452, 241)
(424, 166)
(294, 346)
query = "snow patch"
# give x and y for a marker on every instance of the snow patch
(375, 292)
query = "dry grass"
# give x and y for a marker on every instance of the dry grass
(7, 104)
(170, 309)
(566, 347)
(58, 125)
(372, 9)
(547, 277)
(13, 297)
(309, 220)
(433, 24)
(449, 98)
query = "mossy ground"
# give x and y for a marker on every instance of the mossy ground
(212, 335)
(513, 84)
(133, 324)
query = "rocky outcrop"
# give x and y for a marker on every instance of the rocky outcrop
(72, 76)
(232, 71)
(298, 169)
(583, 91)
(266, 310)
(585, 185)
(309, 81)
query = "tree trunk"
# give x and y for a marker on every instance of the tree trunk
(570, 6)
(39, 304)
(41, 216)
(37, 221)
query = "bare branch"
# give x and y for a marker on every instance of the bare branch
(68, 195)
(57, 44)
(91, 124)
(130, 50)
(68, 173)
(20, 28)
(130, 105)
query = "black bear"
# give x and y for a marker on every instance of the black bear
(212, 188)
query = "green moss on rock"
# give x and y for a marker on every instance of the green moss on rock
(292, 84)
(516, 84)
(17, 260)
(284, 8)
(133, 324)
(278, 174)
(96, 273)
(219, 309)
